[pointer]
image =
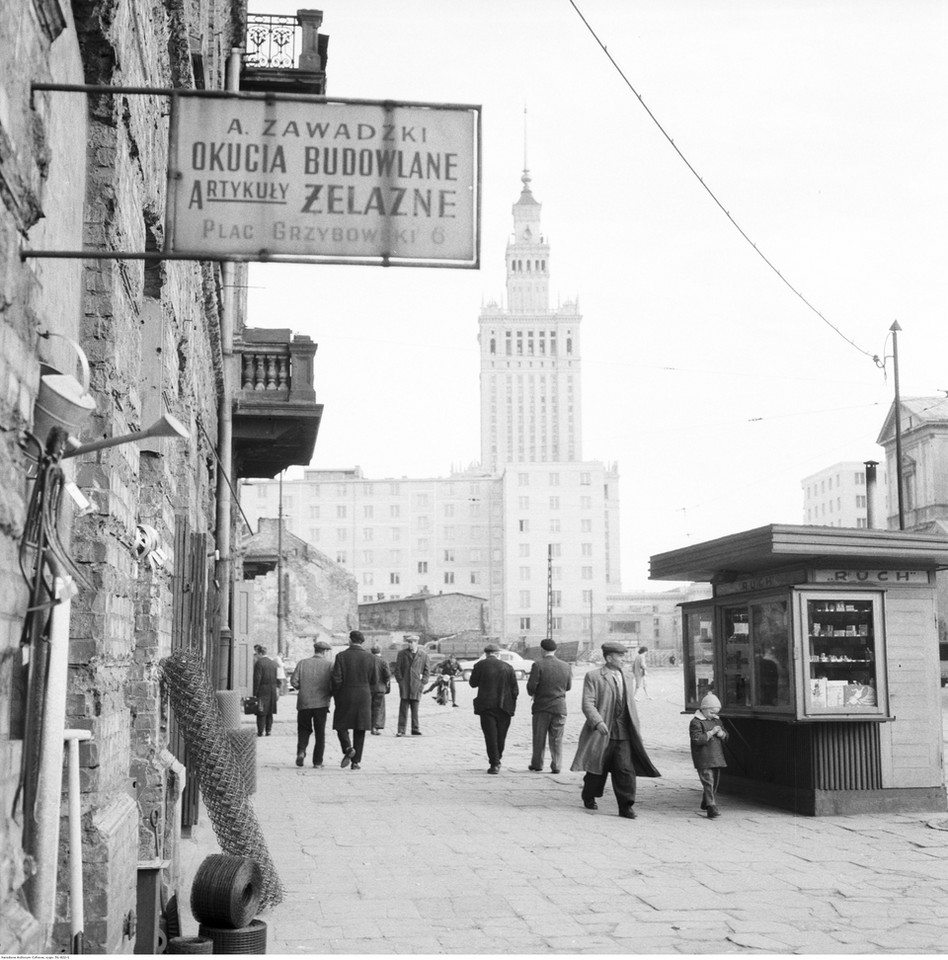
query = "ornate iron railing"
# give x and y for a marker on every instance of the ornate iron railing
(272, 41)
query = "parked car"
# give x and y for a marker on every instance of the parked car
(521, 667)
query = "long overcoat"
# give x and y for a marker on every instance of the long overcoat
(496, 685)
(354, 673)
(411, 672)
(599, 705)
(266, 687)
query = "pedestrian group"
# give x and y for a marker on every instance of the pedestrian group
(610, 743)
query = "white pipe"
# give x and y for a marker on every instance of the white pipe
(77, 918)
(49, 785)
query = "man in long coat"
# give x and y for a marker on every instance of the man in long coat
(495, 703)
(411, 673)
(610, 742)
(266, 688)
(354, 674)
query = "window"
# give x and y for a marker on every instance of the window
(367, 556)
(394, 511)
(314, 512)
(423, 545)
(368, 533)
(475, 555)
(450, 533)
(367, 578)
(341, 490)
(586, 503)
(340, 511)
(587, 549)
(554, 479)
(421, 500)
(475, 576)
(860, 501)
(449, 557)
(449, 576)
(585, 479)
(525, 599)
(523, 503)
(395, 534)
(587, 573)
(314, 535)
(449, 509)
(587, 597)
(524, 526)
(524, 549)
(555, 549)
(422, 566)
(585, 526)
(394, 578)
(367, 511)
(342, 533)
(554, 503)
(556, 598)
(524, 573)
(422, 523)
(524, 623)
(523, 479)
(556, 623)
(555, 525)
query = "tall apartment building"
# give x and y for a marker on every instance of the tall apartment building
(533, 522)
(531, 408)
(838, 496)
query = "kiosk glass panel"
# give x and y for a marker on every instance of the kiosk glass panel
(770, 630)
(738, 677)
(698, 654)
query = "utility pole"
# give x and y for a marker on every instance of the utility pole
(549, 591)
(895, 329)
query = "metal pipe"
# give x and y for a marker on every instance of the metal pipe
(46, 811)
(870, 492)
(77, 920)
(225, 446)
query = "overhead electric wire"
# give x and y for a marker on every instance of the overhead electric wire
(711, 194)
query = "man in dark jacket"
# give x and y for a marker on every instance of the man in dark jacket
(550, 678)
(411, 674)
(354, 674)
(495, 703)
(312, 678)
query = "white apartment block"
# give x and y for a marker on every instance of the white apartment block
(837, 496)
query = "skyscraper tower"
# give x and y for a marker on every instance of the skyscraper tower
(531, 409)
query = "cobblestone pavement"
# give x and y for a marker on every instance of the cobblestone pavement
(420, 852)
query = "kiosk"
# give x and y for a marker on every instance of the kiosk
(822, 645)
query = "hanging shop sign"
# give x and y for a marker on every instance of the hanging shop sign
(255, 177)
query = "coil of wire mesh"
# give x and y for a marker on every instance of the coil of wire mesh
(249, 939)
(226, 891)
(231, 712)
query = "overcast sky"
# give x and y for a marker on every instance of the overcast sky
(820, 126)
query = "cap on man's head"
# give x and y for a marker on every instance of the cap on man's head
(710, 702)
(321, 645)
(492, 648)
(547, 644)
(375, 648)
(356, 636)
(612, 647)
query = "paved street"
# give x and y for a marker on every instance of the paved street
(420, 852)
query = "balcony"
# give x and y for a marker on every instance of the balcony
(285, 54)
(276, 417)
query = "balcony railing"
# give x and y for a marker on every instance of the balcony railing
(285, 53)
(276, 417)
(272, 41)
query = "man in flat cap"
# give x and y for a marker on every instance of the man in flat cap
(411, 675)
(610, 742)
(495, 703)
(550, 678)
(312, 679)
(354, 674)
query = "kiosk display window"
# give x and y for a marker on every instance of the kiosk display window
(841, 657)
(800, 654)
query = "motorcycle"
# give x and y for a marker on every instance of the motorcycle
(442, 690)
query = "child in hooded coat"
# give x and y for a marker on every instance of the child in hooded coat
(707, 750)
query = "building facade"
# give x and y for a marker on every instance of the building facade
(839, 496)
(109, 545)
